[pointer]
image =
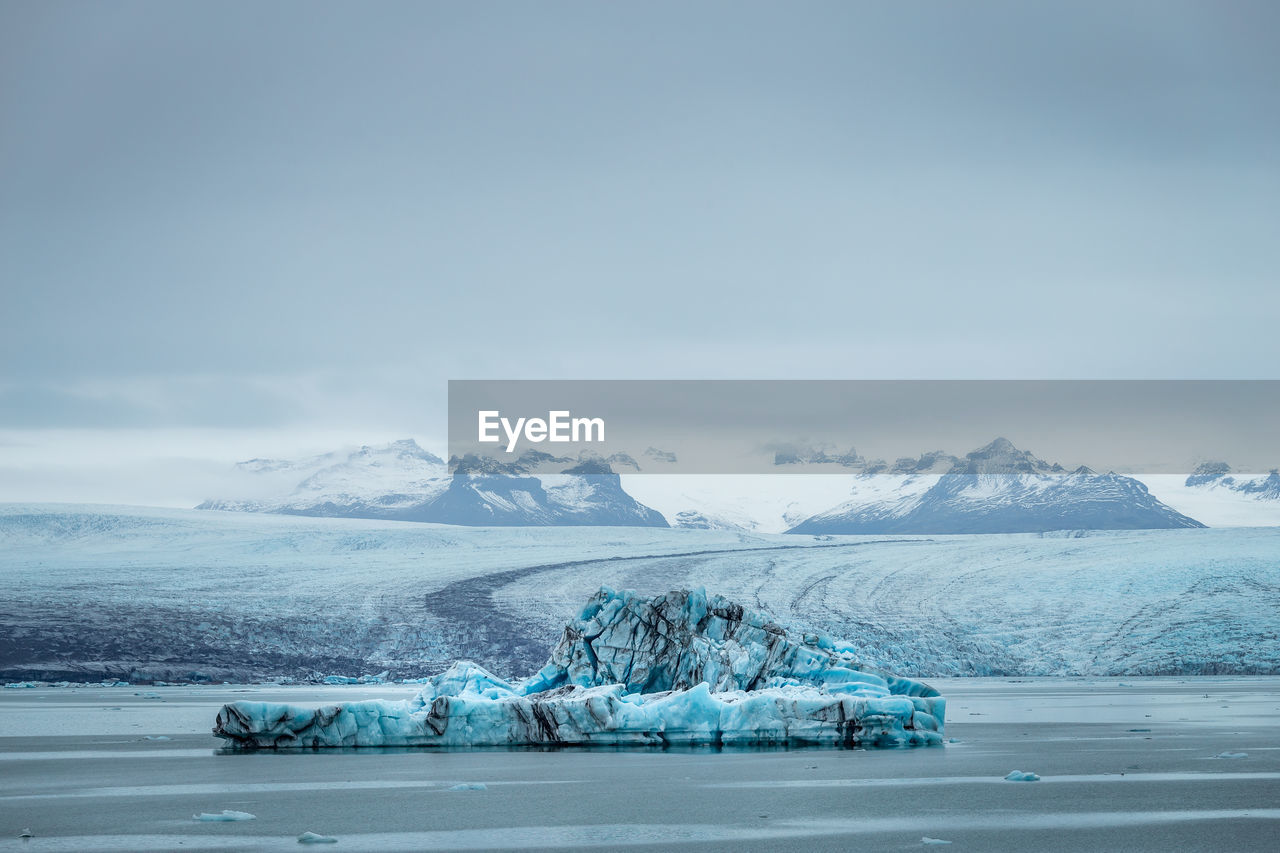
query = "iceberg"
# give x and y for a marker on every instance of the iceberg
(683, 668)
(224, 816)
(310, 837)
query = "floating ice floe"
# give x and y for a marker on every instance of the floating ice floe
(380, 678)
(681, 668)
(316, 838)
(1232, 755)
(930, 842)
(224, 816)
(470, 786)
(1021, 776)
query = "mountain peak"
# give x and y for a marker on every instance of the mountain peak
(591, 465)
(1002, 457)
(1207, 472)
(999, 446)
(405, 448)
(935, 461)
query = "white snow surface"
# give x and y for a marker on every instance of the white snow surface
(758, 503)
(887, 495)
(1213, 504)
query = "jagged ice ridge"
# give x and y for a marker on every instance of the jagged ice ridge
(681, 668)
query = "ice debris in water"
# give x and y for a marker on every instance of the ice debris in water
(470, 786)
(681, 668)
(380, 678)
(1232, 755)
(1020, 776)
(316, 838)
(226, 815)
(927, 841)
(157, 737)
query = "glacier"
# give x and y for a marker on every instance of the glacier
(682, 668)
(147, 595)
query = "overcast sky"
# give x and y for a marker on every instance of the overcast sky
(281, 224)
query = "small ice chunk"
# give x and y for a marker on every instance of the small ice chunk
(226, 815)
(340, 679)
(316, 838)
(1021, 776)
(1232, 755)
(927, 841)
(470, 786)
(157, 737)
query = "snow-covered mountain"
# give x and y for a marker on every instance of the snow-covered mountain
(589, 493)
(392, 481)
(1217, 475)
(1219, 498)
(995, 489)
(401, 481)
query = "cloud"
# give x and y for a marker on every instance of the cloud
(308, 217)
(148, 402)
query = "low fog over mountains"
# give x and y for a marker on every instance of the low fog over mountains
(998, 488)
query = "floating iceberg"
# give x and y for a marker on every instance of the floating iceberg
(310, 837)
(225, 816)
(681, 668)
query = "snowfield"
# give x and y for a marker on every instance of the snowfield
(1214, 506)
(175, 594)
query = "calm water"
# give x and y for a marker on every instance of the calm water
(1130, 764)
